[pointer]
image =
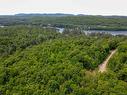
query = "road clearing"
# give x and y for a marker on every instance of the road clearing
(103, 66)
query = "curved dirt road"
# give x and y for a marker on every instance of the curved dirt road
(102, 67)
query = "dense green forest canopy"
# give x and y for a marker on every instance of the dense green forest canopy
(68, 21)
(42, 61)
(14, 38)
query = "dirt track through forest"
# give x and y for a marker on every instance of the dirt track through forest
(103, 66)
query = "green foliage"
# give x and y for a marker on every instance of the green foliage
(86, 22)
(44, 62)
(119, 62)
(20, 37)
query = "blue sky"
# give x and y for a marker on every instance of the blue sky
(90, 7)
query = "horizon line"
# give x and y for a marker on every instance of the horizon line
(75, 14)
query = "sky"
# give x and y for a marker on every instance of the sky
(88, 7)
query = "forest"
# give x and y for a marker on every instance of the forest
(36, 60)
(87, 22)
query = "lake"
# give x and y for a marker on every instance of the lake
(109, 32)
(100, 31)
(90, 31)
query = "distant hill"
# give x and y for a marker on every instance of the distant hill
(88, 22)
(45, 14)
(64, 15)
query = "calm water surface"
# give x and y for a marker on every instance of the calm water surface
(100, 31)
(109, 32)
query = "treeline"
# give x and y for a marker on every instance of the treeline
(85, 22)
